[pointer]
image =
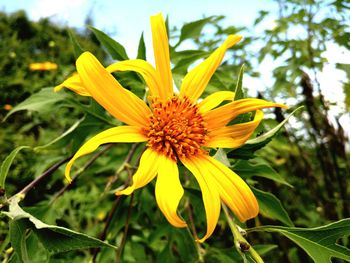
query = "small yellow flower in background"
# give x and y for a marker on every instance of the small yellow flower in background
(8, 107)
(43, 66)
(177, 128)
(101, 216)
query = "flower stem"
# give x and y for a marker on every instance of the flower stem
(241, 243)
(194, 235)
(125, 233)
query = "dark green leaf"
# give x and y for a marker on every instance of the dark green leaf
(193, 29)
(70, 130)
(78, 50)
(116, 50)
(5, 166)
(271, 207)
(319, 242)
(141, 51)
(255, 167)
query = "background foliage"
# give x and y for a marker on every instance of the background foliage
(300, 176)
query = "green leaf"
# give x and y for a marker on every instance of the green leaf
(78, 50)
(116, 50)
(345, 68)
(44, 100)
(319, 242)
(221, 156)
(193, 29)
(5, 166)
(54, 238)
(18, 239)
(252, 145)
(262, 15)
(255, 167)
(70, 130)
(238, 90)
(271, 207)
(141, 51)
(264, 249)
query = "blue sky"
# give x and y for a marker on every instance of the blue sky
(126, 19)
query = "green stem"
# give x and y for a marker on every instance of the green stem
(125, 233)
(194, 235)
(241, 243)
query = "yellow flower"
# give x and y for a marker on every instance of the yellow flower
(176, 128)
(43, 66)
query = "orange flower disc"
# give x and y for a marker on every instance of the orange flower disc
(176, 128)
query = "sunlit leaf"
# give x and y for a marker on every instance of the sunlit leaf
(252, 145)
(319, 242)
(42, 101)
(54, 238)
(238, 90)
(221, 156)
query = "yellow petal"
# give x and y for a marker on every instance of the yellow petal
(219, 117)
(169, 191)
(74, 84)
(197, 79)
(215, 100)
(149, 74)
(112, 135)
(234, 192)
(210, 195)
(161, 54)
(233, 136)
(106, 90)
(145, 173)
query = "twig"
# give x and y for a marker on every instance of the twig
(37, 180)
(241, 243)
(122, 167)
(107, 224)
(125, 233)
(48, 172)
(82, 169)
(117, 201)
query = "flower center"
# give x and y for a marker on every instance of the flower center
(176, 128)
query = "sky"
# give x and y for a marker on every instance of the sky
(125, 20)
